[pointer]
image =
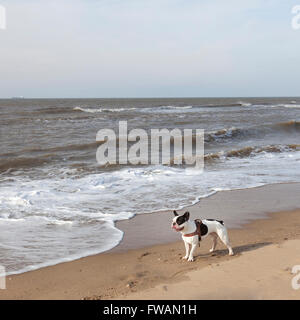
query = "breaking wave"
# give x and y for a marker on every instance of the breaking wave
(247, 152)
(257, 131)
(90, 110)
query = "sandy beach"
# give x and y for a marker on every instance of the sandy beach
(264, 273)
(115, 114)
(266, 248)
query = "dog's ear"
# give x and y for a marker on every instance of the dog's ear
(175, 213)
(186, 215)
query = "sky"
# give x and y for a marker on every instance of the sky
(149, 48)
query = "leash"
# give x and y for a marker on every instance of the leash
(198, 223)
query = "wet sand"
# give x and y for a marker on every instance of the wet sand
(150, 254)
(235, 207)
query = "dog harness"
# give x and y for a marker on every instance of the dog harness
(198, 223)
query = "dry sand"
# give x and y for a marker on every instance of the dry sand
(265, 273)
(265, 253)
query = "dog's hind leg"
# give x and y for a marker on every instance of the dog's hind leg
(214, 238)
(222, 233)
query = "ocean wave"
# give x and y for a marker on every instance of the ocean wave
(255, 131)
(245, 152)
(161, 109)
(48, 110)
(25, 162)
(250, 151)
(89, 110)
(172, 107)
(190, 108)
(73, 217)
(222, 134)
(289, 105)
(296, 106)
(290, 125)
(169, 108)
(233, 104)
(15, 160)
(245, 104)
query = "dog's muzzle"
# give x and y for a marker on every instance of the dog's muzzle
(175, 228)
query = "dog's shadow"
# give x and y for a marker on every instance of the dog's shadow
(237, 250)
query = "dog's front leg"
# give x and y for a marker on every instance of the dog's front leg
(187, 249)
(191, 256)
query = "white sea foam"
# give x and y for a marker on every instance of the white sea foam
(89, 110)
(176, 107)
(245, 104)
(289, 105)
(168, 109)
(160, 109)
(62, 219)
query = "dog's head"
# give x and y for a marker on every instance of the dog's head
(179, 222)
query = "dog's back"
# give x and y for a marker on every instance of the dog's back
(212, 226)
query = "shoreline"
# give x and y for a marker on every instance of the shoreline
(236, 207)
(122, 271)
(136, 235)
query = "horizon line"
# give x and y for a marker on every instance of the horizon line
(162, 97)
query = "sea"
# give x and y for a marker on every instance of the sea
(58, 204)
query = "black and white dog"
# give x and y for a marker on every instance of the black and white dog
(193, 231)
